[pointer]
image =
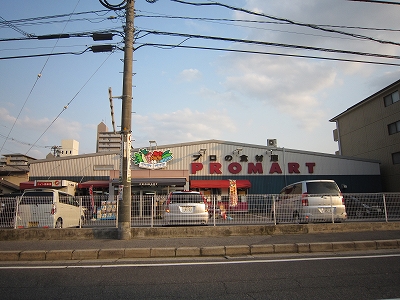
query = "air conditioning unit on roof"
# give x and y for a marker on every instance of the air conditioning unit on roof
(272, 143)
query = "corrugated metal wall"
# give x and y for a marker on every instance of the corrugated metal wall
(75, 166)
(325, 164)
(358, 175)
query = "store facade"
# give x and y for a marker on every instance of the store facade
(210, 167)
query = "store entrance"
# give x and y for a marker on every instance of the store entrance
(149, 201)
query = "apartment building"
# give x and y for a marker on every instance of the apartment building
(371, 129)
(107, 140)
(14, 169)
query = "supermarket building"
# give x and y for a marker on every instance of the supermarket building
(207, 166)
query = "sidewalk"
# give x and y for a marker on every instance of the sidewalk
(41, 250)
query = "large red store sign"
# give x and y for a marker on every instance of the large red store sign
(253, 168)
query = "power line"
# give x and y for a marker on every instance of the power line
(43, 20)
(376, 1)
(45, 54)
(288, 21)
(57, 36)
(259, 22)
(271, 44)
(171, 46)
(33, 87)
(66, 106)
(7, 23)
(21, 142)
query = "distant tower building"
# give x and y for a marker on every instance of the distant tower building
(69, 148)
(107, 140)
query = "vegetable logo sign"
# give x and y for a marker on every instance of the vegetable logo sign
(152, 159)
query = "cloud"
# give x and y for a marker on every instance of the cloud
(299, 87)
(42, 132)
(182, 126)
(190, 75)
(291, 86)
(6, 117)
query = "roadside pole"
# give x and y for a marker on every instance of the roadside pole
(124, 211)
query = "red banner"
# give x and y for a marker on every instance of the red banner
(233, 197)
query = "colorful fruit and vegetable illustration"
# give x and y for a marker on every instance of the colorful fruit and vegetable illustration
(151, 157)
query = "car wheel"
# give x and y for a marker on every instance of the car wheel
(59, 223)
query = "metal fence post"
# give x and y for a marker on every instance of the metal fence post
(117, 207)
(80, 212)
(152, 211)
(384, 207)
(214, 208)
(274, 206)
(16, 212)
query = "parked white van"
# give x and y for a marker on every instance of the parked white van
(48, 208)
(310, 201)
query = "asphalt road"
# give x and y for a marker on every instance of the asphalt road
(370, 275)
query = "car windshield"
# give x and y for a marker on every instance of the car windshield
(325, 188)
(37, 198)
(186, 198)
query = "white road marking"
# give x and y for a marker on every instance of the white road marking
(135, 265)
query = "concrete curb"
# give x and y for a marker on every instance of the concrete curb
(238, 250)
(195, 231)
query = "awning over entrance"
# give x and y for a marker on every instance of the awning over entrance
(218, 184)
(94, 183)
(158, 181)
(26, 185)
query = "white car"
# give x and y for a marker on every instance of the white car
(310, 201)
(186, 207)
(48, 208)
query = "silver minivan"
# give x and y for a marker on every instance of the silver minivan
(310, 201)
(48, 208)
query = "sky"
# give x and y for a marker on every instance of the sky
(248, 91)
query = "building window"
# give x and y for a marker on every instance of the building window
(394, 127)
(392, 98)
(396, 158)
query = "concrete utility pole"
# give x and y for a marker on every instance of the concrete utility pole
(124, 211)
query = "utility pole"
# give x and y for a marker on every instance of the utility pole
(124, 207)
(124, 202)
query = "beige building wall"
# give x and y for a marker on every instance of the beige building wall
(363, 132)
(107, 140)
(69, 148)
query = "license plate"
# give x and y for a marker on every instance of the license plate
(33, 224)
(324, 210)
(187, 209)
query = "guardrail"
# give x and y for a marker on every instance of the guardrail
(151, 210)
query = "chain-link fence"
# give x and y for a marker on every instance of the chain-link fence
(156, 210)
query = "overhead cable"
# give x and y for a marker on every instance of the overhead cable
(33, 87)
(44, 54)
(69, 103)
(377, 1)
(21, 21)
(272, 44)
(258, 22)
(288, 21)
(15, 27)
(171, 46)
